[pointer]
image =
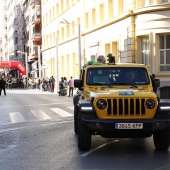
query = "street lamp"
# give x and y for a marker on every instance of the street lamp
(26, 61)
(57, 64)
(39, 60)
(79, 40)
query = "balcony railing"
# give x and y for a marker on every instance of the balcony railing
(36, 19)
(34, 1)
(36, 37)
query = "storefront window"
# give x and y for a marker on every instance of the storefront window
(164, 52)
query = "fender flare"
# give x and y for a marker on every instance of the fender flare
(75, 99)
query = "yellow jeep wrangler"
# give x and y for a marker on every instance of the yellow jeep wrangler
(119, 101)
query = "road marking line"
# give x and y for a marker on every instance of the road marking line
(40, 115)
(45, 104)
(163, 167)
(30, 126)
(97, 148)
(61, 112)
(16, 117)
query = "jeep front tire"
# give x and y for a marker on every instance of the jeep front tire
(162, 139)
(84, 136)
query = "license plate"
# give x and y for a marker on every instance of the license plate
(128, 125)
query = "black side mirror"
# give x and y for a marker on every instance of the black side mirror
(156, 83)
(78, 83)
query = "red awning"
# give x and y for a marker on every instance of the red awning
(13, 64)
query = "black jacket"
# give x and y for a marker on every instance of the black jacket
(2, 83)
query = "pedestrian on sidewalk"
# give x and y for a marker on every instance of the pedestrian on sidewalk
(10, 83)
(52, 84)
(71, 86)
(2, 86)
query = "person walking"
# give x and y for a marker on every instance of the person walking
(10, 83)
(52, 84)
(71, 86)
(2, 86)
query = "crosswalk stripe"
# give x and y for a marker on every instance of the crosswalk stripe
(61, 112)
(71, 107)
(16, 117)
(40, 115)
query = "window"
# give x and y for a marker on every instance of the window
(93, 17)
(164, 52)
(86, 20)
(145, 51)
(165, 1)
(165, 92)
(101, 13)
(144, 2)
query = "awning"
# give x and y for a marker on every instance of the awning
(13, 64)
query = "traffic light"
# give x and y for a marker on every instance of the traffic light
(111, 59)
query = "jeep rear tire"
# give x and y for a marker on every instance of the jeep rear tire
(84, 136)
(162, 139)
(75, 119)
(75, 101)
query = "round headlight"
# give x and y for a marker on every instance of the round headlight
(150, 103)
(101, 104)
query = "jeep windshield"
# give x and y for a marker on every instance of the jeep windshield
(117, 76)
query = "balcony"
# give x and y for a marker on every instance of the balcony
(33, 57)
(36, 20)
(35, 2)
(30, 59)
(15, 28)
(16, 47)
(36, 37)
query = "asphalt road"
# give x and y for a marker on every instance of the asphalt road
(36, 133)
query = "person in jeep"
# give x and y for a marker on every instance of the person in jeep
(131, 77)
(101, 59)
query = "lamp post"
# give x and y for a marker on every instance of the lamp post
(39, 60)
(26, 61)
(79, 40)
(57, 66)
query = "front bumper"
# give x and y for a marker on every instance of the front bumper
(107, 128)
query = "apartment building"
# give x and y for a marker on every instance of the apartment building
(0, 51)
(32, 16)
(3, 9)
(21, 35)
(11, 29)
(136, 31)
(3, 36)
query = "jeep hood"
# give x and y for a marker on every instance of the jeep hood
(119, 92)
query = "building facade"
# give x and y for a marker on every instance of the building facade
(4, 10)
(136, 31)
(32, 16)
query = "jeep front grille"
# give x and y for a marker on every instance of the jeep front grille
(126, 107)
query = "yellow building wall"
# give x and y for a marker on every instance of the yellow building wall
(116, 28)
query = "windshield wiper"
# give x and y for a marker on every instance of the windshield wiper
(119, 83)
(99, 83)
(134, 86)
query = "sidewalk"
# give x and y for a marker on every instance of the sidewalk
(32, 91)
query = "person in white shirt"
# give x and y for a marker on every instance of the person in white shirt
(71, 86)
